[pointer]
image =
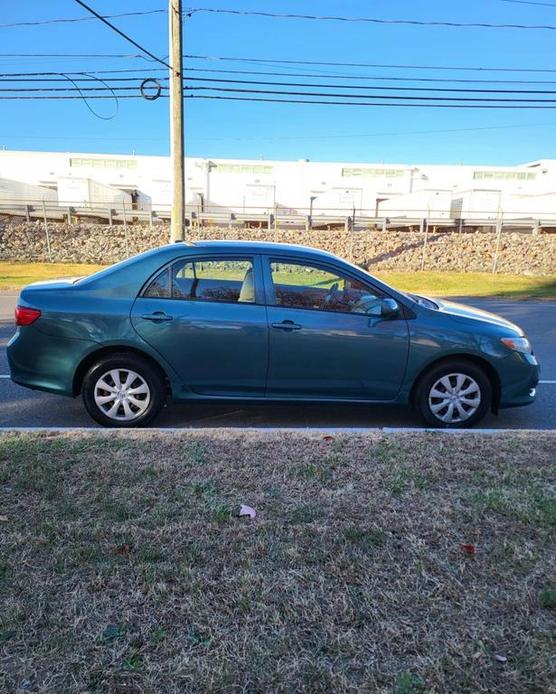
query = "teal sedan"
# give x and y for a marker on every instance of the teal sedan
(263, 322)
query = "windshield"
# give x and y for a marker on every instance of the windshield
(420, 300)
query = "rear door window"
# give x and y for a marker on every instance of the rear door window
(217, 280)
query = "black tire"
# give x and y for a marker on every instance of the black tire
(472, 372)
(125, 362)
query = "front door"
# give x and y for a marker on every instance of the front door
(327, 336)
(207, 318)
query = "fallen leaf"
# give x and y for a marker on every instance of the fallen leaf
(247, 511)
(112, 632)
(468, 548)
(123, 550)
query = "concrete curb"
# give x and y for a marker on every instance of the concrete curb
(272, 430)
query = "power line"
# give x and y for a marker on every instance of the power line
(364, 86)
(293, 101)
(366, 77)
(282, 63)
(298, 101)
(398, 133)
(395, 97)
(530, 2)
(32, 75)
(122, 34)
(385, 134)
(277, 15)
(71, 20)
(368, 20)
(92, 96)
(211, 87)
(65, 136)
(81, 79)
(71, 55)
(358, 103)
(86, 89)
(274, 83)
(85, 99)
(373, 65)
(70, 89)
(279, 62)
(88, 72)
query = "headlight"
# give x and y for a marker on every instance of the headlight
(517, 344)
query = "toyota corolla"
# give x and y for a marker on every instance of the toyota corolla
(242, 321)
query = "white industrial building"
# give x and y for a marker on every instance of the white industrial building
(18, 191)
(256, 187)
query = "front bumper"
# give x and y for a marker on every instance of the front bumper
(519, 380)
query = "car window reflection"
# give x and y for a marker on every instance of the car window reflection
(301, 285)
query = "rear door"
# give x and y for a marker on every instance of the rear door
(206, 316)
(327, 337)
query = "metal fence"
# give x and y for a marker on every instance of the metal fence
(282, 218)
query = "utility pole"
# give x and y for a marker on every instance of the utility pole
(177, 225)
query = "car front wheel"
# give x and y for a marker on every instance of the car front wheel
(123, 390)
(454, 394)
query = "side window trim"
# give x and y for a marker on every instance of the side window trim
(271, 293)
(252, 258)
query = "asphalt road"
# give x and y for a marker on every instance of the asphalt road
(20, 407)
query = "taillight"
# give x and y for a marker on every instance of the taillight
(25, 315)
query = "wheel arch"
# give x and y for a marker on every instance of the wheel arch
(92, 357)
(483, 364)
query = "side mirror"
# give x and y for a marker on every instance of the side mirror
(389, 308)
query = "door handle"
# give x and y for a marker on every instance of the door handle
(286, 325)
(157, 317)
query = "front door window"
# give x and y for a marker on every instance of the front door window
(299, 285)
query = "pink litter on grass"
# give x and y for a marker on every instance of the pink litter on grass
(247, 511)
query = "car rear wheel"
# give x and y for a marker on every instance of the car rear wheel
(123, 390)
(455, 394)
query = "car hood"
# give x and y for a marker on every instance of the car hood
(464, 313)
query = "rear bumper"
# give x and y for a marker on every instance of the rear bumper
(44, 362)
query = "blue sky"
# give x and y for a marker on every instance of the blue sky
(282, 131)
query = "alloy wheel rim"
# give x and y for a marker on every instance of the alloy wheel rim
(122, 394)
(454, 398)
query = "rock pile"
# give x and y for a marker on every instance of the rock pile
(516, 253)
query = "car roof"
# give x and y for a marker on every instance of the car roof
(263, 247)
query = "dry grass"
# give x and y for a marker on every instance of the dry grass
(472, 284)
(124, 566)
(18, 275)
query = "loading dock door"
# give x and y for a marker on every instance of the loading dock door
(259, 199)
